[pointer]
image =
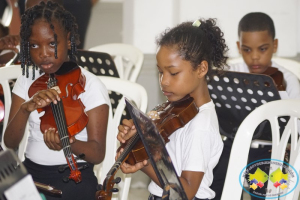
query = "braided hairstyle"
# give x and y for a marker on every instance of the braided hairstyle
(195, 44)
(49, 11)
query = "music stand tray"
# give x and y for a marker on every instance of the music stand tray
(158, 155)
(236, 94)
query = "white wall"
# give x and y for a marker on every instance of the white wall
(143, 20)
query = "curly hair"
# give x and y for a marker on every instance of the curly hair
(196, 44)
(49, 11)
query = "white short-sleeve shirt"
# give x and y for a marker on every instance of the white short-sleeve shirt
(95, 95)
(196, 147)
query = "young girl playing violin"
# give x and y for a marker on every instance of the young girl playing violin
(48, 42)
(185, 58)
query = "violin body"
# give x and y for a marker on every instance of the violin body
(277, 77)
(167, 117)
(73, 86)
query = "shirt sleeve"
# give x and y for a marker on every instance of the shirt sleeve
(20, 87)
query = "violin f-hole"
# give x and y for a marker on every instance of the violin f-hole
(67, 91)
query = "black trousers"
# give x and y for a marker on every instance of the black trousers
(85, 190)
(220, 170)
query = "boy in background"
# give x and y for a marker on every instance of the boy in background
(257, 44)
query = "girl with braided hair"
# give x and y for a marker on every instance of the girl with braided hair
(185, 58)
(48, 44)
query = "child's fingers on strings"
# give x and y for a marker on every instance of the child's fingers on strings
(120, 137)
(127, 168)
(52, 140)
(126, 130)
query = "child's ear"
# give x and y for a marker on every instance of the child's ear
(275, 45)
(238, 46)
(69, 41)
(202, 69)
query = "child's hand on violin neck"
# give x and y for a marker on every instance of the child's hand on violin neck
(52, 139)
(127, 168)
(41, 99)
(126, 130)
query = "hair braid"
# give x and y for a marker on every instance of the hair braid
(49, 11)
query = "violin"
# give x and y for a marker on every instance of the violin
(1, 111)
(167, 117)
(43, 187)
(277, 76)
(67, 116)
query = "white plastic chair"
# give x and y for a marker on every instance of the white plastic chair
(6, 74)
(128, 59)
(7, 16)
(241, 144)
(291, 65)
(137, 94)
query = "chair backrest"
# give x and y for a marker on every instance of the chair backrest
(291, 65)
(128, 59)
(7, 16)
(6, 75)
(239, 153)
(137, 94)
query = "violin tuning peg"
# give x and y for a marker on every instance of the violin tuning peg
(117, 180)
(114, 190)
(66, 179)
(81, 156)
(99, 187)
(83, 167)
(62, 168)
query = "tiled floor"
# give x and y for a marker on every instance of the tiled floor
(142, 194)
(139, 191)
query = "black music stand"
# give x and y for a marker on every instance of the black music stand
(236, 94)
(101, 64)
(158, 155)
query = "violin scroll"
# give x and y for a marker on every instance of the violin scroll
(104, 192)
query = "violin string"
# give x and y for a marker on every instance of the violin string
(62, 129)
(64, 134)
(59, 124)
